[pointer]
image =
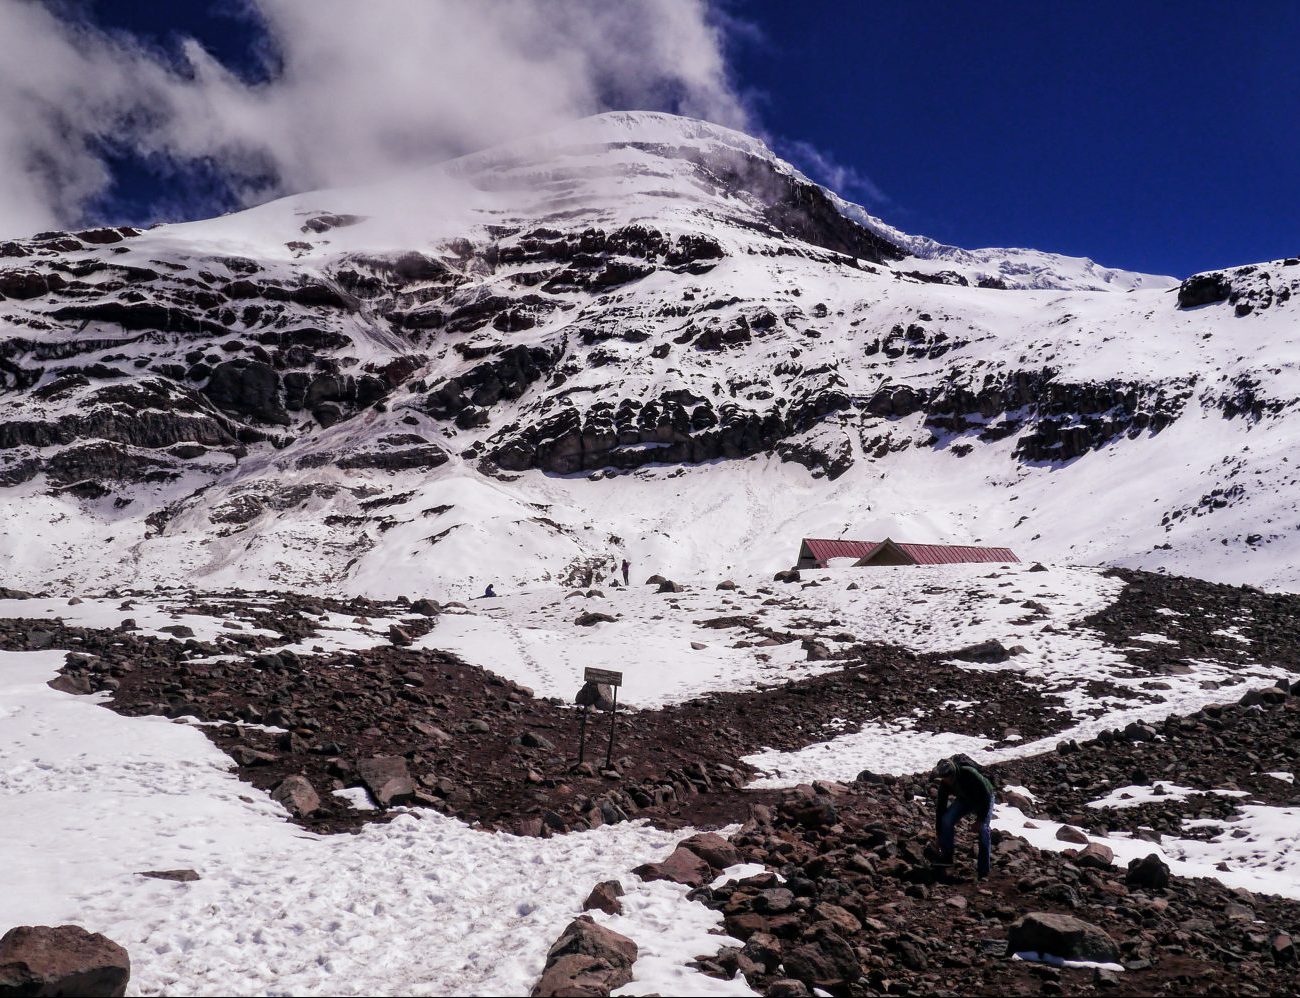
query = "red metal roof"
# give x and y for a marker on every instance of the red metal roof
(824, 550)
(953, 554)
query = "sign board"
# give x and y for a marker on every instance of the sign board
(603, 676)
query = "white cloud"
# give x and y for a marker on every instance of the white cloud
(846, 181)
(360, 90)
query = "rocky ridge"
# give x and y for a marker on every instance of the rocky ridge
(674, 297)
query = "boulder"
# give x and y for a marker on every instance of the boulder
(297, 795)
(587, 959)
(176, 876)
(774, 901)
(589, 618)
(1204, 289)
(713, 849)
(1139, 731)
(387, 779)
(61, 960)
(815, 651)
(399, 636)
(668, 586)
(789, 575)
(1150, 872)
(530, 739)
(245, 755)
(828, 964)
(681, 867)
(605, 896)
(1062, 936)
(985, 651)
(815, 812)
(787, 987)
(1096, 856)
(598, 695)
(1068, 833)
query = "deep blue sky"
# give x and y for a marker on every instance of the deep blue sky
(1162, 137)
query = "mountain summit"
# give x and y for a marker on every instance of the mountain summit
(638, 333)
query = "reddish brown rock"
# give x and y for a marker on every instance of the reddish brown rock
(61, 960)
(605, 896)
(387, 778)
(713, 849)
(681, 867)
(1095, 855)
(297, 795)
(587, 960)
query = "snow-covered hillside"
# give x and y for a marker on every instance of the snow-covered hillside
(639, 336)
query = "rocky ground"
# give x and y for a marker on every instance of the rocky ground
(480, 747)
(850, 904)
(850, 897)
(477, 746)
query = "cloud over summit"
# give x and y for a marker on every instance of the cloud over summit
(353, 91)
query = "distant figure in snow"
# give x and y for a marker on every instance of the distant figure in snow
(626, 567)
(960, 778)
(489, 591)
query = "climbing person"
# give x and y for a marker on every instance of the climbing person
(489, 592)
(971, 792)
(626, 567)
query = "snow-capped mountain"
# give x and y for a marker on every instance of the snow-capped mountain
(641, 336)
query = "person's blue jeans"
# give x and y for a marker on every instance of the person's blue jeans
(948, 833)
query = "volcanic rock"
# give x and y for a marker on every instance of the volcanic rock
(713, 849)
(1149, 872)
(605, 896)
(297, 795)
(387, 778)
(598, 695)
(587, 959)
(1063, 936)
(681, 867)
(61, 960)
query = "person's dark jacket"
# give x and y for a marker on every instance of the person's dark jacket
(971, 787)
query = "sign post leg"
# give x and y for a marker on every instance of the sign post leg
(582, 734)
(613, 714)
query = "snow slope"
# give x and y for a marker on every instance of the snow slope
(422, 905)
(638, 336)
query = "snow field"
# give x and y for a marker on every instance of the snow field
(1255, 851)
(957, 606)
(150, 616)
(420, 905)
(670, 931)
(426, 905)
(531, 636)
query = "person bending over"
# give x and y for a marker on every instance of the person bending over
(963, 790)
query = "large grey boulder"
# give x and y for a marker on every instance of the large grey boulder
(387, 778)
(297, 795)
(1063, 936)
(598, 695)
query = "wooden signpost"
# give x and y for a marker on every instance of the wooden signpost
(587, 696)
